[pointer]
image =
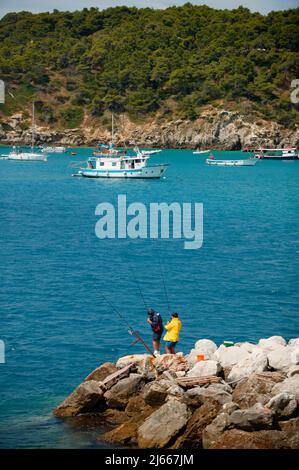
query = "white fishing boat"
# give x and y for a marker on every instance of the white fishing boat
(32, 156)
(54, 149)
(288, 153)
(197, 152)
(121, 166)
(146, 152)
(109, 162)
(246, 162)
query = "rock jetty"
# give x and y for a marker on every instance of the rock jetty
(245, 396)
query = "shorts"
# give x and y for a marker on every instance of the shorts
(157, 336)
(171, 344)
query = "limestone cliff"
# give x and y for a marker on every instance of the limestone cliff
(217, 129)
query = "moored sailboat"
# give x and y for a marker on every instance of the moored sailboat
(15, 154)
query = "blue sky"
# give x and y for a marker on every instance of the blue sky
(48, 5)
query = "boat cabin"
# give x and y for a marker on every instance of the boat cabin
(119, 163)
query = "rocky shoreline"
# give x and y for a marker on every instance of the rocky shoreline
(216, 128)
(244, 396)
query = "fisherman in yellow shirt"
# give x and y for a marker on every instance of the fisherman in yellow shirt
(173, 330)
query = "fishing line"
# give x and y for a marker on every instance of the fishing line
(138, 285)
(163, 280)
(131, 330)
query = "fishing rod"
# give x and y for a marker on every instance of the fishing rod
(131, 330)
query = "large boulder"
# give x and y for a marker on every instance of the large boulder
(280, 358)
(119, 395)
(291, 429)
(196, 396)
(229, 356)
(202, 417)
(88, 396)
(204, 347)
(257, 361)
(283, 405)
(294, 343)
(204, 368)
(290, 384)
(272, 343)
(249, 347)
(252, 419)
(294, 355)
(238, 439)
(163, 425)
(175, 362)
(143, 362)
(126, 432)
(213, 431)
(294, 370)
(255, 389)
(155, 393)
(100, 373)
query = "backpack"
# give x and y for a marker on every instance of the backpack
(158, 327)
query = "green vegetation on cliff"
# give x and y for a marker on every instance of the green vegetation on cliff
(141, 61)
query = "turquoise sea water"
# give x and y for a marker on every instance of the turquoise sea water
(241, 285)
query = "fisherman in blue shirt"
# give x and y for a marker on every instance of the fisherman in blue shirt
(156, 323)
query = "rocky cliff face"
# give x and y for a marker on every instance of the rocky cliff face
(217, 129)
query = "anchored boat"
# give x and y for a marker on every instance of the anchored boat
(197, 152)
(32, 156)
(121, 166)
(109, 162)
(288, 153)
(54, 149)
(246, 162)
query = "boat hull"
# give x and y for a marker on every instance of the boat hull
(33, 157)
(149, 172)
(274, 157)
(230, 162)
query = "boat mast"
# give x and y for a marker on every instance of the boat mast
(33, 125)
(112, 137)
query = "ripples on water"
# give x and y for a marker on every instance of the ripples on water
(241, 285)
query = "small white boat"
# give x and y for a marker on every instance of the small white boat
(146, 152)
(247, 162)
(32, 156)
(54, 149)
(197, 152)
(25, 156)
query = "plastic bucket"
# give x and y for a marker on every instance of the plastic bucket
(200, 357)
